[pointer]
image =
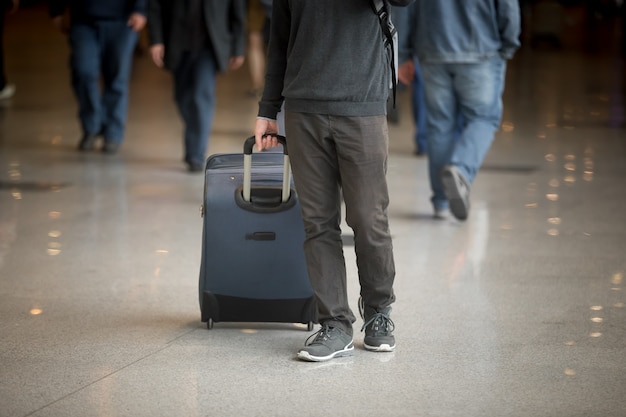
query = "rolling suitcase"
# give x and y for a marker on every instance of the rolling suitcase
(252, 265)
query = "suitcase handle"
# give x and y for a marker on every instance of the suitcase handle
(247, 168)
(249, 144)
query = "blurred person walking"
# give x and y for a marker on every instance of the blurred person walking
(463, 47)
(196, 40)
(102, 37)
(6, 6)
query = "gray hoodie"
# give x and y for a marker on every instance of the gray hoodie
(326, 57)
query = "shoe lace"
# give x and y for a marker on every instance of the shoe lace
(380, 323)
(319, 336)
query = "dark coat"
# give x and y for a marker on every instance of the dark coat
(225, 22)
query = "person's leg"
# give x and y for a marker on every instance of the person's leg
(316, 176)
(194, 93)
(3, 79)
(183, 88)
(119, 42)
(419, 111)
(202, 106)
(362, 148)
(361, 144)
(85, 66)
(479, 90)
(442, 122)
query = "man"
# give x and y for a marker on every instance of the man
(6, 90)
(327, 62)
(195, 40)
(462, 46)
(102, 37)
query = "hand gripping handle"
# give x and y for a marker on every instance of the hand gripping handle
(247, 168)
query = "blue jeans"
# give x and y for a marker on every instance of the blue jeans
(194, 93)
(102, 48)
(471, 92)
(418, 103)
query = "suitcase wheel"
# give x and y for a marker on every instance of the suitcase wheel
(310, 326)
(209, 324)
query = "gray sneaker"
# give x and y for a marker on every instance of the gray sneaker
(328, 343)
(378, 329)
(457, 190)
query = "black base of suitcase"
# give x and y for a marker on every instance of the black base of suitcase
(222, 308)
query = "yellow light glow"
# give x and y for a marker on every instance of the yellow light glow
(36, 311)
(507, 127)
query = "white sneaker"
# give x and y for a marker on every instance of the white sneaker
(7, 91)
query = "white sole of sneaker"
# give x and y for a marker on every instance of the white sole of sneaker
(382, 348)
(306, 356)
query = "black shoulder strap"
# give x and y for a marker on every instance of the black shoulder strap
(377, 5)
(390, 34)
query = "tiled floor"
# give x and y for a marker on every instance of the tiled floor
(520, 311)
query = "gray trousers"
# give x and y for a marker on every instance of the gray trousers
(330, 155)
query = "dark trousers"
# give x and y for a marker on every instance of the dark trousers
(194, 93)
(3, 79)
(102, 50)
(418, 105)
(330, 155)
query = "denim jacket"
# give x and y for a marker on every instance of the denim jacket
(458, 31)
